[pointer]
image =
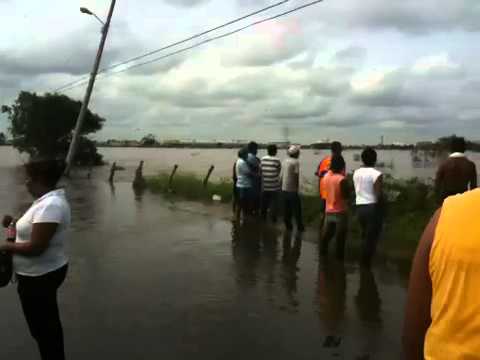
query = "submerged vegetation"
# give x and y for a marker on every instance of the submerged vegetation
(410, 204)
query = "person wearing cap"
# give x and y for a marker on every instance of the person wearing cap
(290, 189)
(39, 255)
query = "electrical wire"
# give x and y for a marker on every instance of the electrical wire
(156, 51)
(256, 23)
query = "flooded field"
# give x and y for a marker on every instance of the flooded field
(400, 164)
(150, 279)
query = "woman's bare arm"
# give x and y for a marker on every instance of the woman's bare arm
(42, 234)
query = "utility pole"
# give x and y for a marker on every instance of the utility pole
(88, 93)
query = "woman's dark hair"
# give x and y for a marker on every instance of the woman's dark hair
(252, 147)
(458, 144)
(46, 172)
(243, 153)
(338, 164)
(272, 149)
(369, 156)
(336, 147)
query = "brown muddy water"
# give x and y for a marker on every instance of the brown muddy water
(398, 163)
(155, 279)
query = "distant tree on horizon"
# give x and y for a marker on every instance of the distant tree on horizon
(149, 140)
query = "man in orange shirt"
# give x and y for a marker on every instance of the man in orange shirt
(323, 169)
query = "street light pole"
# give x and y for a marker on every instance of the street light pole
(88, 93)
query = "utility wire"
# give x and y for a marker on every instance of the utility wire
(193, 37)
(204, 42)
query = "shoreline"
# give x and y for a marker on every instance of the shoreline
(410, 205)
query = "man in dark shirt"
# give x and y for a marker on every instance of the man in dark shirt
(457, 174)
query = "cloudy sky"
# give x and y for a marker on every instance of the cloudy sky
(342, 69)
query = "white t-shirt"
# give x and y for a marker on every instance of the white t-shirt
(50, 208)
(364, 180)
(290, 175)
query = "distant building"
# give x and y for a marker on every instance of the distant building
(425, 144)
(321, 144)
(281, 144)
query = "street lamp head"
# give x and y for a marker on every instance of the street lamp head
(84, 10)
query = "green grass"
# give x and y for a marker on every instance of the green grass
(190, 187)
(410, 205)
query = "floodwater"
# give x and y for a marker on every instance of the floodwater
(155, 279)
(400, 164)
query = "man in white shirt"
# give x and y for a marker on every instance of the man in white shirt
(290, 189)
(368, 183)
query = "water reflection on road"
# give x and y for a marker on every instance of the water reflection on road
(152, 278)
(346, 297)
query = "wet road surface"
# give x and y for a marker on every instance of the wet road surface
(153, 279)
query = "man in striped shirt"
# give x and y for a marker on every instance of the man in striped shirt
(271, 168)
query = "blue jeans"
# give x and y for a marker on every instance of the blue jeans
(245, 199)
(293, 208)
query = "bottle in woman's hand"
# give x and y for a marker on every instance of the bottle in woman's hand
(8, 223)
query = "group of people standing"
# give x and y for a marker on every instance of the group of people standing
(336, 196)
(259, 184)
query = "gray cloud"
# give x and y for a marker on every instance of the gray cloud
(72, 54)
(330, 82)
(351, 53)
(413, 17)
(186, 3)
(406, 88)
(285, 73)
(265, 49)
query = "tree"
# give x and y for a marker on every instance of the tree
(149, 140)
(43, 125)
(3, 138)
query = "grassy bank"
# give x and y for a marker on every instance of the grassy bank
(410, 205)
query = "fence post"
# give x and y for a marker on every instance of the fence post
(170, 181)
(205, 181)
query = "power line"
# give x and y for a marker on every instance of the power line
(107, 74)
(153, 52)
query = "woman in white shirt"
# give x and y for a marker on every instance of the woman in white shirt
(39, 255)
(368, 183)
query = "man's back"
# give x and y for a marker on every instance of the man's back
(290, 175)
(455, 176)
(271, 168)
(454, 270)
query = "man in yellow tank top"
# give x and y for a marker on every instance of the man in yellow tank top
(443, 307)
